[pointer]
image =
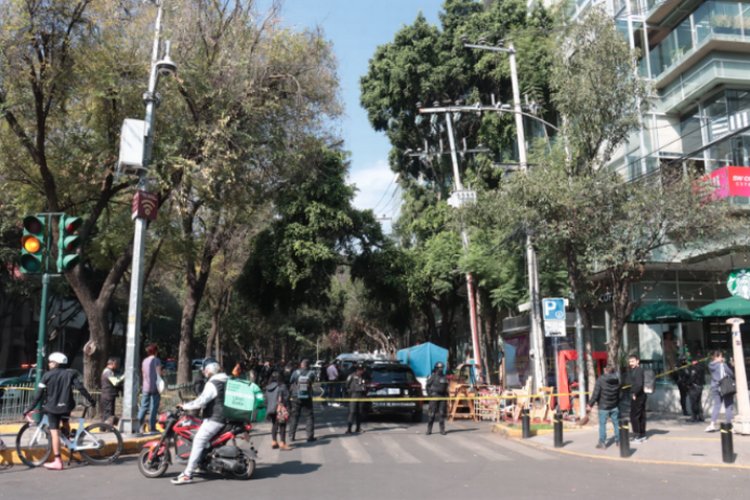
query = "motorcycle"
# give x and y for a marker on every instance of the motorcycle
(222, 457)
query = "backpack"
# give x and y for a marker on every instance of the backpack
(304, 382)
(649, 380)
(241, 400)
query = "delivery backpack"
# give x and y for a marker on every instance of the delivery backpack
(243, 401)
(649, 380)
(304, 381)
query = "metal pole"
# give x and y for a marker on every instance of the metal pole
(42, 334)
(129, 421)
(465, 241)
(579, 365)
(742, 418)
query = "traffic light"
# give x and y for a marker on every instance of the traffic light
(68, 242)
(32, 244)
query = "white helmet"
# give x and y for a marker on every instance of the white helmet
(59, 358)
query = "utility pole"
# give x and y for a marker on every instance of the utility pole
(129, 422)
(536, 335)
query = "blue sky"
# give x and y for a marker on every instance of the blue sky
(356, 28)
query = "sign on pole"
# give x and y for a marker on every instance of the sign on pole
(554, 317)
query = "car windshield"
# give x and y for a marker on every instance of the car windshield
(393, 376)
(17, 372)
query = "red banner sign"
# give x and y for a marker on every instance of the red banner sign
(731, 181)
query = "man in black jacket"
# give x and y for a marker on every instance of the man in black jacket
(607, 395)
(302, 399)
(638, 399)
(437, 386)
(56, 388)
(355, 386)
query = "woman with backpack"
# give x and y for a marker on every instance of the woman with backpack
(277, 404)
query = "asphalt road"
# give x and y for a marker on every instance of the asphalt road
(392, 459)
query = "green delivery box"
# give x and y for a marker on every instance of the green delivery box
(241, 399)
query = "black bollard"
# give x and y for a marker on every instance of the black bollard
(624, 438)
(558, 425)
(525, 424)
(727, 447)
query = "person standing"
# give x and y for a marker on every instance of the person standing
(150, 396)
(696, 377)
(56, 388)
(355, 387)
(607, 395)
(212, 402)
(302, 399)
(638, 399)
(332, 376)
(719, 369)
(110, 385)
(683, 385)
(437, 387)
(277, 404)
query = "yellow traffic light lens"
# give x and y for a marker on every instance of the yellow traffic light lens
(32, 244)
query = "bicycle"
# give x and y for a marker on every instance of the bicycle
(98, 443)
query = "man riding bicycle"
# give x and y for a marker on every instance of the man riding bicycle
(56, 387)
(212, 402)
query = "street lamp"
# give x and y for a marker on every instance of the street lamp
(144, 209)
(537, 340)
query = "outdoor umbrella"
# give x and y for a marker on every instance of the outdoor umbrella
(725, 308)
(660, 312)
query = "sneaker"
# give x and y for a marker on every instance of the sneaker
(311, 440)
(641, 439)
(182, 479)
(600, 446)
(711, 427)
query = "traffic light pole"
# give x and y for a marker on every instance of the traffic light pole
(129, 422)
(42, 335)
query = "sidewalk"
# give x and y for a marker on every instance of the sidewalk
(672, 440)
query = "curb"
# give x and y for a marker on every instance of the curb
(516, 432)
(649, 461)
(130, 446)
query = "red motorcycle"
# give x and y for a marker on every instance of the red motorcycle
(222, 457)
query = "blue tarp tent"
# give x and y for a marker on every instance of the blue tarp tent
(422, 358)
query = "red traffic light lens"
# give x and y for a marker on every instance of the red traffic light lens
(32, 225)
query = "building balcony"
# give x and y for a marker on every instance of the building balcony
(667, 12)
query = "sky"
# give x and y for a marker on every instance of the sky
(356, 28)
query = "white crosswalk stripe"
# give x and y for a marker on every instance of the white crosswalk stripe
(475, 447)
(399, 455)
(438, 450)
(524, 450)
(311, 454)
(355, 450)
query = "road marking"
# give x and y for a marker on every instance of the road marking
(523, 450)
(355, 450)
(431, 444)
(399, 454)
(479, 449)
(311, 454)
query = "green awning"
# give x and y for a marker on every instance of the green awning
(660, 312)
(725, 308)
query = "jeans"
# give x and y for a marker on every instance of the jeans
(150, 404)
(728, 402)
(206, 431)
(614, 415)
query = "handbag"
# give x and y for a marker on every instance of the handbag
(282, 413)
(727, 386)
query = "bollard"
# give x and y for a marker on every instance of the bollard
(624, 438)
(727, 447)
(558, 425)
(525, 424)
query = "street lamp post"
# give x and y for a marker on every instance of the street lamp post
(537, 339)
(163, 67)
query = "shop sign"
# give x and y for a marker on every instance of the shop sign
(738, 283)
(731, 181)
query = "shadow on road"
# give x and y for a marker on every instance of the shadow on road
(292, 467)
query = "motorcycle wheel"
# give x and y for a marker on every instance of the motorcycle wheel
(156, 468)
(249, 468)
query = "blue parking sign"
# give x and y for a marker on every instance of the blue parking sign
(553, 309)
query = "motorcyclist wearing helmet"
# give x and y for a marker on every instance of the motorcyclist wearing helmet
(56, 387)
(437, 386)
(211, 399)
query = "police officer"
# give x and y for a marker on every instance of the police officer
(437, 386)
(355, 386)
(696, 375)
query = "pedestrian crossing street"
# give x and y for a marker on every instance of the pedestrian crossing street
(393, 444)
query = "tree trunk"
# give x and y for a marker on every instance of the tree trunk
(588, 347)
(622, 306)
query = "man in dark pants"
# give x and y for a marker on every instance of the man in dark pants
(696, 378)
(437, 386)
(355, 386)
(110, 386)
(683, 386)
(638, 399)
(302, 393)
